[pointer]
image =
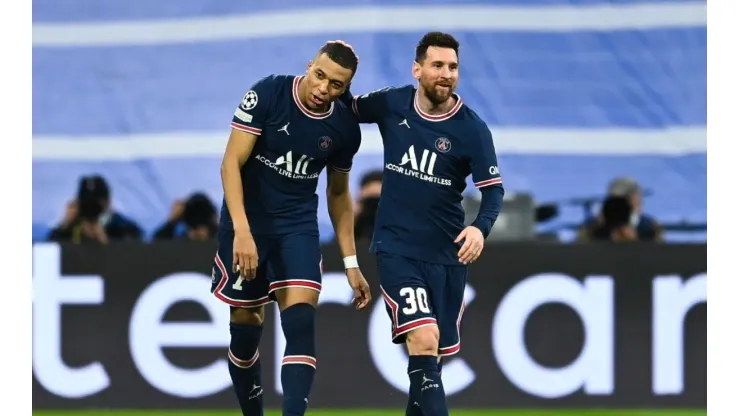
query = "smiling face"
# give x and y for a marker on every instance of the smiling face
(437, 74)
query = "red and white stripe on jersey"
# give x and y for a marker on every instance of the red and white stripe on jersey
(306, 284)
(488, 182)
(303, 108)
(300, 359)
(399, 330)
(252, 303)
(244, 363)
(437, 117)
(248, 129)
(446, 351)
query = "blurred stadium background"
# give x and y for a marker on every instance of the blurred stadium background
(577, 93)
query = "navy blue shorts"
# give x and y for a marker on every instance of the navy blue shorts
(291, 260)
(418, 293)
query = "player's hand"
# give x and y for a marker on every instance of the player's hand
(70, 214)
(358, 283)
(473, 245)
(245, 258)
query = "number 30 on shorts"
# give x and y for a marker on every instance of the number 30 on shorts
(416, 299)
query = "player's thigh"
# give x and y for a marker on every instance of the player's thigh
(449, 304)
(296, 276)
(230, 287)
(406, 296)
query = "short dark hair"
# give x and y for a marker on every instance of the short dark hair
(438, 39)
(372, 176)
(340, 54)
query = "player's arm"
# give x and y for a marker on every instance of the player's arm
(246, 127)
(368, 108)
(238, 150)
(486, 176)
(339, 201)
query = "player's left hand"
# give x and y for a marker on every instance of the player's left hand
(473, 246)
(359, 285)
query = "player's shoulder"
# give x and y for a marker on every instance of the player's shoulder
(403, 93)
(472, 119)
(272, 81)
(346, 119)
(391, 92)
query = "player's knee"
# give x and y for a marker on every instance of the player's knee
(248, 316)
(423, 341)
(298, 320)
(298, 328)
(296, 295)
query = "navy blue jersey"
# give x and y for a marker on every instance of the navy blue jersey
(427, 159)
(294, 145)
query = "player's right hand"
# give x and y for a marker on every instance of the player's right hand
(245, 258)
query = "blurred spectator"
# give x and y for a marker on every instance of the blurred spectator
(90, 217)
(195, 219)
(613, 223)
(366, 203)
(625, 198)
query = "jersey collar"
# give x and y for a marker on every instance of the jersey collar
(437, 117)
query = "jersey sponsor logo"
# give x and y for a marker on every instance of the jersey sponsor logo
(325, 143)
(242, 115)
(249, 101)
(493, 170)
(290, 166)
(443, 144)
(420, 168)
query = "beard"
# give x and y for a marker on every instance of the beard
(436, 94)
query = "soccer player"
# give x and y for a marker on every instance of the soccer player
(283, 134)
(432, 142)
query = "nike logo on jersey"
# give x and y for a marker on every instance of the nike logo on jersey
(285, 129)
(404, 123)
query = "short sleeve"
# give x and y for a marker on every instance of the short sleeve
(371, 107)
(342, 160)
(483, 161)
(252, 112)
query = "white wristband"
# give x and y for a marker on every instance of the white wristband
(350, 262)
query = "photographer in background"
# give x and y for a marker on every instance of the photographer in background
(613, 223)
(90, 219)
(621, 191)
(366, 204)
(195, 219)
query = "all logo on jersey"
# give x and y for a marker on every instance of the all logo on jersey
(249, 101)
(288, 165)
(324, 143)
(419, 165)
(443, 144)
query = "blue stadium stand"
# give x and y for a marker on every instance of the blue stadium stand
(570, 108)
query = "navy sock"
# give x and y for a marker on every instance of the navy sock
(413, 408)
(426, 384)
(244, 367)
(299, 360)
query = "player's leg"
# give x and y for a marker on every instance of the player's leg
(296, 286)
(407, 298)
(446, 296)
(247, 300)
(245, 368)
(423, 344)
